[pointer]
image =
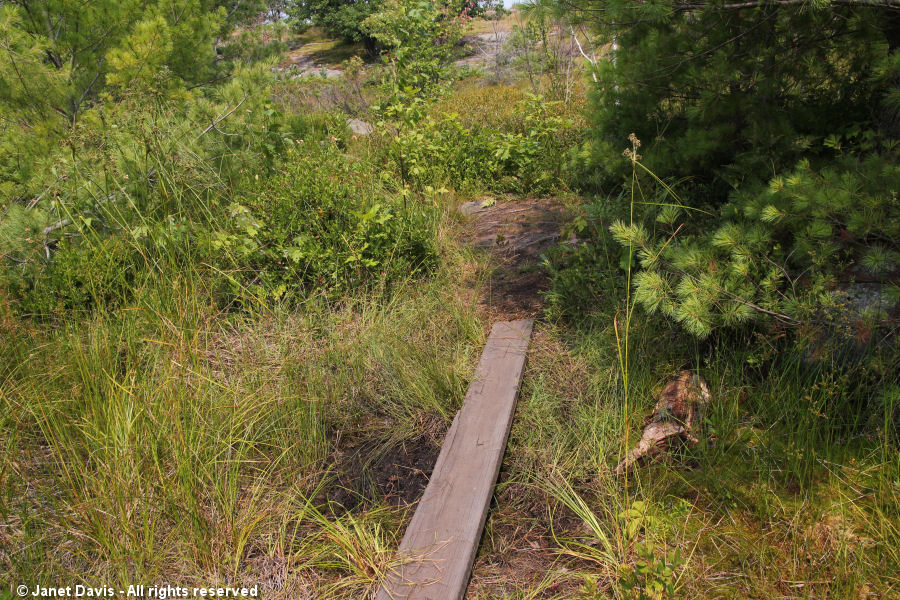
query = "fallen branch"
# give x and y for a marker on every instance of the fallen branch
(677, 416)
(58, 225)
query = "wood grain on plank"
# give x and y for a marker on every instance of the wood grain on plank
(436, 554)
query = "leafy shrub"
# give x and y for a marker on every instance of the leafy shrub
(322, 223)
(136, 177)
(586, 278)
(535, 156)
(81, 277)
(420, 36)
(442, 150)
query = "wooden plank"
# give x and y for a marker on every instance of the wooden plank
(436, 554)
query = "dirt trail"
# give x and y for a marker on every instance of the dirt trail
(516, 232)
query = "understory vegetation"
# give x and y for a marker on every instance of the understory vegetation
(239, 309)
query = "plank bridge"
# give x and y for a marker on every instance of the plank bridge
(437, 551)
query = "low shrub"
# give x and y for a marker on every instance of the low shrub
(81, 277)
(323, 223)
(529, 157)
(170, 183)
(493, 106)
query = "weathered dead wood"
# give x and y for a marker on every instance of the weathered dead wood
(678, 415)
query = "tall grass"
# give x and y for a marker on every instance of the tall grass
(167, 440)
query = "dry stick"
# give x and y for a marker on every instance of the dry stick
(77, 105)
(67, 221)
(58, 225)
(50, 229)
(221, 118)
(37, 198)
(586, 57)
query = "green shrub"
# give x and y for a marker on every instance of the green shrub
(420, 37)
(322, 223)
(586, 278)
(81, 277)
(136, 177)
(441, 150)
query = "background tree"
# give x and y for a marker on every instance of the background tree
(339, 18)
(60, 56)
(344, 18)
(723, 92)
(419, 38)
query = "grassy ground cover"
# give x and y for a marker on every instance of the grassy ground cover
(170, 441)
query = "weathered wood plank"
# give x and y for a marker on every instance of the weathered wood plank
(438, 549)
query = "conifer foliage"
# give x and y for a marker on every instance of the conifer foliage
(765, 191)
(775, 252)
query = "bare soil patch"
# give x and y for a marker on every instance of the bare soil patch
(398, 475)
